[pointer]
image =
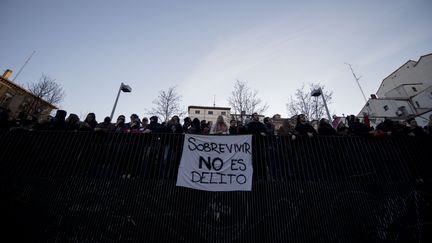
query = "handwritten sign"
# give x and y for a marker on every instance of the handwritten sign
(216, 163)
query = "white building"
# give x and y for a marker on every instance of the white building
(209, 113)
(405, 93)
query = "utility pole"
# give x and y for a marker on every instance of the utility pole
(28, 59)
(357, 80)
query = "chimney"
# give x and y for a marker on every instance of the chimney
(373, 96)
(7, 74)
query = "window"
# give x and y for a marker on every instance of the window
(386, 107)
(210, 112)
(223, 113)
(197, 111)
(6, 99)
(414, 89)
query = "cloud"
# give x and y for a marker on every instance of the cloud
(238, 55)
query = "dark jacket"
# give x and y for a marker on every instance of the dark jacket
(359, 129)
(326, 130)
(256, 128)
(304, 129)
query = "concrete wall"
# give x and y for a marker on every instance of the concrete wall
(410, 73)
(387, 108)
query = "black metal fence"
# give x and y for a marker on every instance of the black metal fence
(98, 187)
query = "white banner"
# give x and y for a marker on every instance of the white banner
(216, 163)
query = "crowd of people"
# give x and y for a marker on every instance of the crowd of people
(296, 126)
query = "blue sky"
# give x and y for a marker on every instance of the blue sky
(90, 47)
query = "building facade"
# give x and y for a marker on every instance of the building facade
(405, 93)
(18, 99)
(209, 113)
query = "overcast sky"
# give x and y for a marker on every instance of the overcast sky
(90, 47)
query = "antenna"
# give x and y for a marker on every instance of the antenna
(28, 59)
(357, 80)
(214, 100)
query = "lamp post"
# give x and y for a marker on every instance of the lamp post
(125, 88)
(318, 92)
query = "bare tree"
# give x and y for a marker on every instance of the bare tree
(304, 103)
(167, 104)
(48, 90)
(244, 99)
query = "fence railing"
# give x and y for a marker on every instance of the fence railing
(157, 156)
(111, 187)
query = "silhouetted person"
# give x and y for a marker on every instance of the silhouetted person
(72, 122)
(358, 128)
(105, 126)
(205, 128)
(120, 125)
(233, 127)
(415, 130)
(134, 124)
(303, 127)
(269, 126)
(195, 127)
(89, 123)
(187, 123)
(5, 122)
(324, 128)
(256, 127)
(59, 122)
(154, 126)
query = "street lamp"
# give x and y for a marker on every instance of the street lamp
(318, 92)
(125, 88)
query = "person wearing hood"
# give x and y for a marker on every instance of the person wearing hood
(59, 122)
(154, 126)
